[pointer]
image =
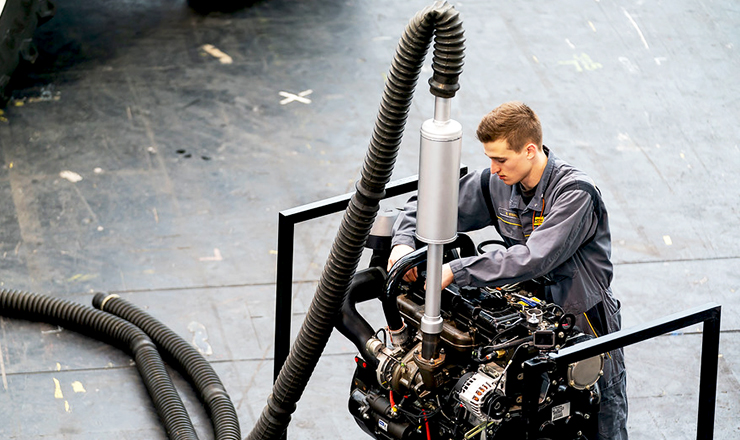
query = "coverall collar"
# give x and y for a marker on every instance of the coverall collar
(536, 202)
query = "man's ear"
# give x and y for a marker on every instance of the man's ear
(531, 150)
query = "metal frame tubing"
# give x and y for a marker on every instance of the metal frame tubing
(287, 220)
(708, 314)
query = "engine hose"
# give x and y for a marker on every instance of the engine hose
(366, 285)
(440, 19)
(403, 265)
(127, 336)
(186, 358)
(408, 262)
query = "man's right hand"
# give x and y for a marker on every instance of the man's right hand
(398, 252)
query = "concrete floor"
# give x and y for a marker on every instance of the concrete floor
(185, 162)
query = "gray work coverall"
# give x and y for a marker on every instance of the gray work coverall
(570, 243)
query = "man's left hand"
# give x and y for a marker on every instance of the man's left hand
(447, 276)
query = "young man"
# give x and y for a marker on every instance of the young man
(554, 223)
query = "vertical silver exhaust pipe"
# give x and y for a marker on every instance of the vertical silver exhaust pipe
(439, 172)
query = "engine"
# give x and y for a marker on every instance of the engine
(477, 388)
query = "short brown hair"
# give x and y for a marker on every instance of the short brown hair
(514, 122)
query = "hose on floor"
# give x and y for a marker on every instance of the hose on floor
(186, 359)
(113, 330)
(443, 23)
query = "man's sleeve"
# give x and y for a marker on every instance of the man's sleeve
(570, 222)
(472, 212)
(405, 226)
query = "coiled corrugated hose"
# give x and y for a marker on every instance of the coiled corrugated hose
(186, 358)
(114, 330)
(442, 22)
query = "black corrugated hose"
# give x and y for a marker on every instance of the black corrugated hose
(442, 22)
(115, 330)
(186, 358)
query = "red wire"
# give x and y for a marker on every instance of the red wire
(390, 394)
(426, 422)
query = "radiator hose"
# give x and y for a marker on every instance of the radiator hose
(114, 330)
(443, 23)
(366, 284)
(187, 360)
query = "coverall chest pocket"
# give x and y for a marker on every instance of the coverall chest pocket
(510, 225)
